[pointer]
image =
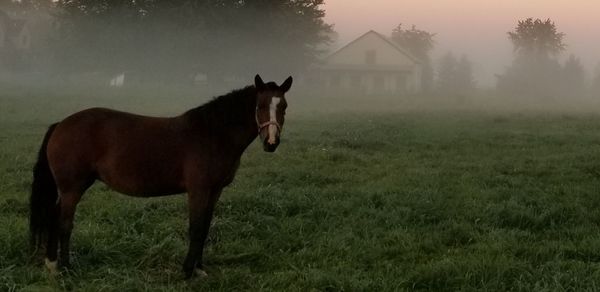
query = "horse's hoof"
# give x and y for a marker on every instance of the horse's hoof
(200, 273)
(51, 266)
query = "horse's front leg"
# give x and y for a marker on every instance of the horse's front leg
(201, 206)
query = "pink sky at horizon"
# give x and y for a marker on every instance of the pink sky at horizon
(477, 28)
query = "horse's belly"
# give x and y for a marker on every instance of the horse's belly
(142, 188)
(141, 179)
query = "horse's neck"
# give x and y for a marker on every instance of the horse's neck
(241, 135)
(235, 135)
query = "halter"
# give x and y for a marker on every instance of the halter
(266, 124)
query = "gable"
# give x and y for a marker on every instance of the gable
(371, 49)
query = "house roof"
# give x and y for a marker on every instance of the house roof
(382, 37)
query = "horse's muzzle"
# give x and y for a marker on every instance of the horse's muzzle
(270, 147)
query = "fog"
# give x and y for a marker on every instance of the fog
(421, 54)
(476, 28)
(150, 42)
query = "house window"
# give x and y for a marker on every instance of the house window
(370, 57)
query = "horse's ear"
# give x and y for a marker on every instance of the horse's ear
(285, 86)
(258, 82)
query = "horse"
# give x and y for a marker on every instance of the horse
(197, 152)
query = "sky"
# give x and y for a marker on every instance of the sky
(477, 28)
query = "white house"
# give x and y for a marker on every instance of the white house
(371, 65)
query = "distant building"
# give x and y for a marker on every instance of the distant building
(15, 32)
(371, 65)
(23, 35)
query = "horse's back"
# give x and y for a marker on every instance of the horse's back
(94, 127)
(127, 151)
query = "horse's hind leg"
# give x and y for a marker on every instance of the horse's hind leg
(68, 204)
(61, 230)
(70, 190)
(52, 243)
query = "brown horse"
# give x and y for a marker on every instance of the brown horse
(197, 152)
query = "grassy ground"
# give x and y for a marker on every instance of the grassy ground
(356, 199)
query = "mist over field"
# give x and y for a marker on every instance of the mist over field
(211, 47)
(427, 146)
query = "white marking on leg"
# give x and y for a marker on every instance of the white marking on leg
(52, 266)
(273, 116)
(201, 273)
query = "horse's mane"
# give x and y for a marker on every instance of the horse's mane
(228, 109)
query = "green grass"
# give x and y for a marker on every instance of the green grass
(353, 199)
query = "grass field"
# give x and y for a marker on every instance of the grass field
(353, 199)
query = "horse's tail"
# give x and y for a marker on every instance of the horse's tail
(43, 210)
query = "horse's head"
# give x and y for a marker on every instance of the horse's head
(270, 110)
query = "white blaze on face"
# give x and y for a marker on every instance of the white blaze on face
(273, 116)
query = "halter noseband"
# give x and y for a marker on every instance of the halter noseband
(266, 124)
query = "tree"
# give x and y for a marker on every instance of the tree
(464, 73)
(419, 43)
(25, 5)
(573, 77)
(455, 77)
(26, 24)
(595, 88)
(175, 38)
(535, 71)
(537, 38)
(446, 77)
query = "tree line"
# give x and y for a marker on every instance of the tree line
(173, 39)
(535, 72)
(162, 39)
